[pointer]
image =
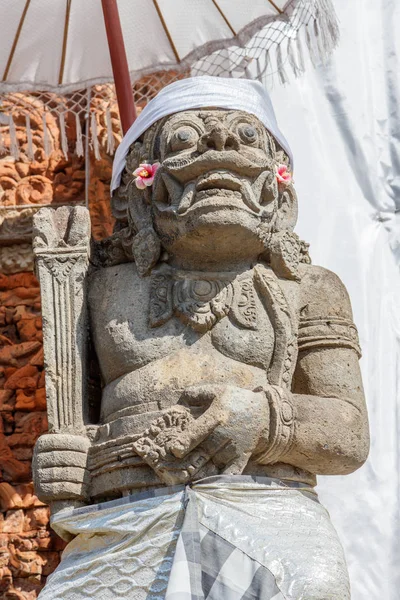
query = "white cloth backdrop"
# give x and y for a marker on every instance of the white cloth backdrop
(343, 124)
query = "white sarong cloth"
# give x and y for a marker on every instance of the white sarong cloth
(223, 538)
(200, 92)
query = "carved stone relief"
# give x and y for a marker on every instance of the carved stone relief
(16, 258)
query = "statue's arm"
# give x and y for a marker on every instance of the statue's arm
(331, 425)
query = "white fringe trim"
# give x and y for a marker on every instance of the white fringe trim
(110, 135)
(281, 67)
(292, 57)
(319, 37)
(29, 152)
(46, 138)
(3, 147)
(95, 140)
(79, 142)
(300, 54)
(63, 135)
(14, 147)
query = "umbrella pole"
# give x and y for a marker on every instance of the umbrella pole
(119, 62)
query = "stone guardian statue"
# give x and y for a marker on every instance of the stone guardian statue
(228, 365)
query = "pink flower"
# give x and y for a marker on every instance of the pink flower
(145, 174)
(282, 174)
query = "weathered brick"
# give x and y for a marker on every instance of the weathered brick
(24, 312)
(27, 329)
(23, 378)
(19, 295)
(24, 454)
(41, 382)
(25, 563)
(4, 340)
(14, 521)
(25, 400)
(32, 423)
(9, 372)
(37, 359)
(7, 400)
(11, 468)
(50, 561)
(7, 422)
(17, 355)
(26, 280)
(36, 518)
(30, 400)
(9, 497)
(23, 589)
(9, 315)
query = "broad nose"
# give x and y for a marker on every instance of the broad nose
(218, 138)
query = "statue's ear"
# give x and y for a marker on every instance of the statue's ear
(146, 250)
(131, 207)
(146, 246)
(286, 217)
(284, 245)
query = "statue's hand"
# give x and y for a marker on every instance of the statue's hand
(232, 428)
(179, 446)
(59, 467)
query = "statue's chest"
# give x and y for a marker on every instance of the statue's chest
(138, 321)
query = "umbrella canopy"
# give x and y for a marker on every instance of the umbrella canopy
(61, 45)
(58, 51)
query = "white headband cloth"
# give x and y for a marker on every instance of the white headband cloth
(199, 92)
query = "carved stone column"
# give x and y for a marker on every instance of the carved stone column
(61, 246)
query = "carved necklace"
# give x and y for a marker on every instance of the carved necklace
(200, 300)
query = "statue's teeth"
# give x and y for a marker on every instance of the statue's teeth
(174, 188)
(187, 198)
(249, 197)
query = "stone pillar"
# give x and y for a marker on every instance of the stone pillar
(61, 247)
(61, 242)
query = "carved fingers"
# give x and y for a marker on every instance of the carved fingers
(180, 447)
(199, 429)
(155, 445)
(195, 465)
(60, 467)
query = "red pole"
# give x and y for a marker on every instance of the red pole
(119, 62)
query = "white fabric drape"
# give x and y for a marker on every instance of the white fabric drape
(343, 125)
(197, 92)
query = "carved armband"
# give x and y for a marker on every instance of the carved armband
(327, 332)
(282, 425)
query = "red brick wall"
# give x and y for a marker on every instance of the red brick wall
(29, 550)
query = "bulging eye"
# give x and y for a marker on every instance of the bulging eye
(184, 137)
(248, 134)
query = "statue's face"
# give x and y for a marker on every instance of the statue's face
(217, 185)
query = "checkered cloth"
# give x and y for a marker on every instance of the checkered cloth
(207, 567)
(222, 538)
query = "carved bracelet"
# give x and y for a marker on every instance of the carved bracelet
(282, 424)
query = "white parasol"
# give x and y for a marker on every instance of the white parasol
(60, 46)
